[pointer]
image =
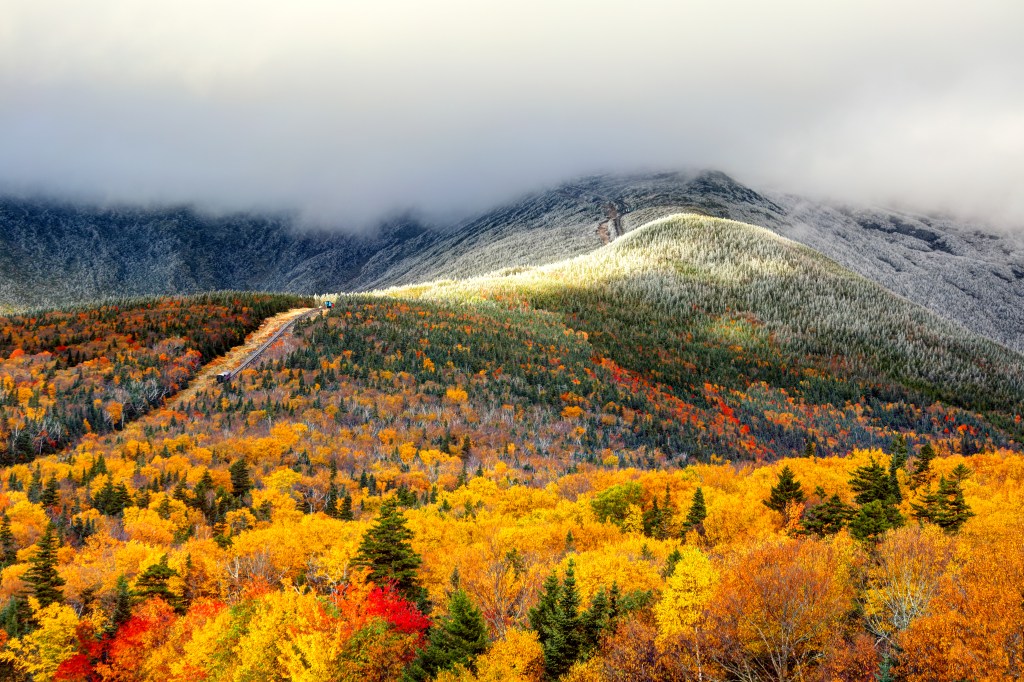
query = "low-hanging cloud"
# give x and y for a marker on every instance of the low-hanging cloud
(347, 110)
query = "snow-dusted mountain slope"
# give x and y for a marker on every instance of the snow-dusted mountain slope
(52, 253)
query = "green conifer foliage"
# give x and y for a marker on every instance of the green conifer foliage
(456, 639)
(8, 547)
(923, 466)
(698, 512)
(42, 574)
(240, 482)
(788, 490)
(153, 582)
(386, 551)
(828, 517)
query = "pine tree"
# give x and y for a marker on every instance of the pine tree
(331, 502)
(952, 511)
(874, 487)
(923, 466)
(153, 582)
(122, 604)
(870, 521)
(871, 483)
(788, 490)
(345, 513)
(35, 486)
(42, 574)
(240, 482)
(698, 512)
(456, 639)
(670, 563)
(385, 550)
(8, 546)
(50, 494)
(566, 634)
(894, 483)
(828, 517)
(900, 452)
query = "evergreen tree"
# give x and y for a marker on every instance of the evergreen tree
(788, 490)
(50, 494)
(894, 483)
(953, 511)
(873, 484)
(42, 575)
(828, 517)
(870, 521)
(456, 639)
(386, 551)
(698, 512)
(331, 501)
(923, 466)
(900, 452)
(35, 486)
(566, 634)
(122, 604)
(670, 563)
(345, 513)
(153, 582)
(240, 482)
(946, 507)
(8, 547)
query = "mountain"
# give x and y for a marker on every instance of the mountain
(625, 448)
(52, 253)
(697, 310)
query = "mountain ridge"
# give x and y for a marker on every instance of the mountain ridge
(967, 275)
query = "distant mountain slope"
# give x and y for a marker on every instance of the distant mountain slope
(52, 253)
(700, 310)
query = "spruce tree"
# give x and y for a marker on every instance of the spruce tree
(923, 466)
(122, 604)
(788, 490)
(828, 517)
(952, 510)
(900, 452)
(331, 501)
(870, 521)
(456, 639)
(153, 582)
(42, 574)
(698, 512)
(871, 483)
(386, 551)
(50, 494)
(240, 482)
(8, 546)
(345, 512)
(35, 486)
(874, 487)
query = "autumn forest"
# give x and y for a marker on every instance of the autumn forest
(700, 453)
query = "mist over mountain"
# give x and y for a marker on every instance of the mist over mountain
(54, 253)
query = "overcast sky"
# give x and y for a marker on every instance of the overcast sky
(349, 109)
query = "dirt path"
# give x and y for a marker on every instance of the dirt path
(236, 356)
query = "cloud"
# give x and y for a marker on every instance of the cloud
(350, 109)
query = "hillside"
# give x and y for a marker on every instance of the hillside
(968, 274)
(622, 450)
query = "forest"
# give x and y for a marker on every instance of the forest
(510, 479)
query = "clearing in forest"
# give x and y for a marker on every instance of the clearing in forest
(236, 356)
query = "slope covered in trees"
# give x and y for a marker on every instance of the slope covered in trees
(641, 464)
(64, 373)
